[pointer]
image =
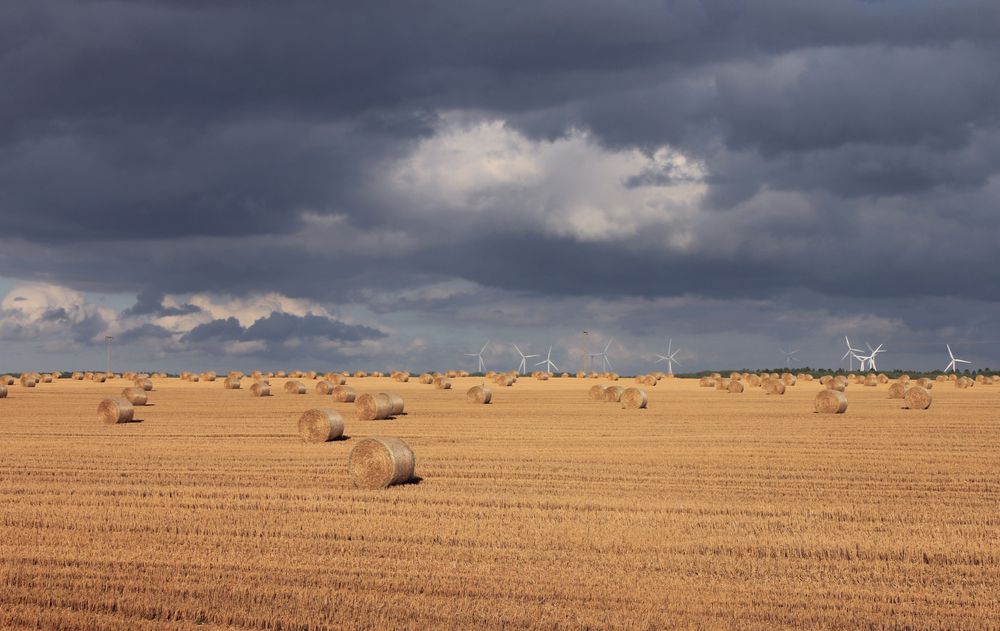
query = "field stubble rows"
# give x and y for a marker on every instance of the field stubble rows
(540, 509)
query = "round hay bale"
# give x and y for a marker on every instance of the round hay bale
(897, 390)
(940, 378)
(231, 383)
(788, 379)
(634, 399)
(324, 387)
(3, 392)
(397, 403)
(344, 394)
(260, 389)
(715, 375)
(735, 387)
(27, 382)
(918, 398)
(426, 378)
(581, 375)
(145, 384)
(6, 380)
(722, 384)
(964, 382)
(952, 377)
(838, 386)
(596, 393)
(479, 394)
(542, 376)
(373, 407)
(46, 378)
(77, 376)
(883, 379)
(735, 376)
(112, 411)
(135, 396)
(774, 386)
(295, 387)
(706, 382)
(830, 402)
(565, 375)
(613, 394)
(403, 377)
(925, 383)
(378, 463)
(825, 379)
(871, 380)
(903, 379)
(442, 383)
(320, 425)
(752, 380)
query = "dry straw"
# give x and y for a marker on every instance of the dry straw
(112, 411)
(722, 384)
(295, 387)
(3, 392)
(871, 380)
(964, 382)
(613, 394)
(231, 383)
(260, 389)
(788, 378)
(897, 390)
(324, 387)
(397, 403)
(135, 396)
(596, 393)
(426, 378)
(6, 380)
(373, 407)
(320, 425)
(377, 463)
(774, 386)
(479, 394)
(918, 398)
(735, 387)
(344, 394)
(634, 399)
(441, 383)
(830, 402)
(143, 383)
(706, 382)
(27, 381)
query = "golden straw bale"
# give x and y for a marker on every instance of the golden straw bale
(135, 396)
(377, 463)
(396, 402)
(373, 407)
(231, 383)
(735, 386)
(479, 394)
(830, 402)
(320, 425)
(596, 393)
(344, 394)
(613, 394)
(324, 387)
(918, 398)
(260, 389)
(897, 390)
(112, 411)
(634, 399)
(774, 386)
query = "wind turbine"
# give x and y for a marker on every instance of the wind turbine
(954, 360)
(870, 359)
(606, 363)
(851, 352)
(669, 358)
(482, 364)
(550, 366)
(789, 356)
(524, 359)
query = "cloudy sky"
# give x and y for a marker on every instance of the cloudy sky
(242, 184)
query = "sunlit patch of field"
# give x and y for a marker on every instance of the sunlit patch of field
(543, 508)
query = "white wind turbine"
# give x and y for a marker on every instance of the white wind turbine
(954, 360)
(482, 364)
(605, 362)
(870, 359)
(789, 356)
(670, 358)
(852, 353)
(550, 366)
(524, 358)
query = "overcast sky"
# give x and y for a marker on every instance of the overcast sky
(248, 184)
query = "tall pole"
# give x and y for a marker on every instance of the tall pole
(108, 339)
(585, 349)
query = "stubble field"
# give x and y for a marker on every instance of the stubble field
(708, 510)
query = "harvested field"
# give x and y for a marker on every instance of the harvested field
(541, 509)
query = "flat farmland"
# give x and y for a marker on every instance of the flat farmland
(542, 509)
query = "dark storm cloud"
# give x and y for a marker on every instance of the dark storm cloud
(280, 327)
(143, 332)
(184, 145)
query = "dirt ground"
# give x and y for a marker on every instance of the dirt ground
(708, 510)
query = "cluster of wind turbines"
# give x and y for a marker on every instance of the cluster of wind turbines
(866, 360)
(550, 366)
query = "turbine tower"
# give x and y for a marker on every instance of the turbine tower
(550, 366)
(108, 339)
(670, 358)
(954, 360)
(482, 364)
(524, 358)
(789, 356)
(870, 358)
